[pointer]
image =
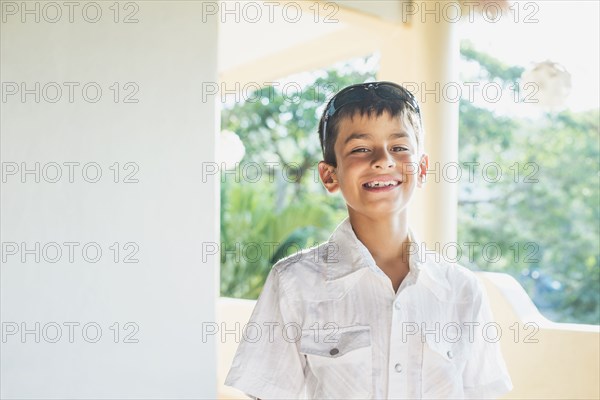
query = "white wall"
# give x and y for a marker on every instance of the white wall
(168, 134)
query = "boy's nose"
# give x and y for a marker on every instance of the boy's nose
(383, 159)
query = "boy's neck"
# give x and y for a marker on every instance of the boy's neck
(386, 238)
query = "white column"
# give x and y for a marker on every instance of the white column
(136, 132)
(424, 55)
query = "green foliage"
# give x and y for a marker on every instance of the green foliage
(543, 212)
(254, 236)
(282, 125)
(491, 68)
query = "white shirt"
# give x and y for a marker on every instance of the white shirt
(328, 325)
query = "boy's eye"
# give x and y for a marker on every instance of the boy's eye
(400, 148)
(395, 148)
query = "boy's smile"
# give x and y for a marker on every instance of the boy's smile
(377, 164)
(382, 183)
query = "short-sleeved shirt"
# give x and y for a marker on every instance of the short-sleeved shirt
(329, 325)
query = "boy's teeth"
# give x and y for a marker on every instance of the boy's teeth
(379, 183)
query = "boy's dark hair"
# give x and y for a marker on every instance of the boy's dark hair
(371, 99)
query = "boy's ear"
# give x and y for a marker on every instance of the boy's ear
(328, 176)
(423, 167)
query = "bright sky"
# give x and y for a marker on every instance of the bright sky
(566, 32)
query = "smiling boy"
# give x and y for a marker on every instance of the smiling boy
(366, 314)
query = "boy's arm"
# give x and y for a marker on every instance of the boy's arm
(267, 364)
(485, 375)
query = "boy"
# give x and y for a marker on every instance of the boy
(366, 315)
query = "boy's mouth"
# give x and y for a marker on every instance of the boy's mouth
(381, 185)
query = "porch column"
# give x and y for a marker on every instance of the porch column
(423, 56)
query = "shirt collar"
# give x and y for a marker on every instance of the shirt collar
(347, 254)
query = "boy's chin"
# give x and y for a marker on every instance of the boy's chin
(379, 211)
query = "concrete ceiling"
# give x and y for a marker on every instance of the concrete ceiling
(388, 10)
(276, 43)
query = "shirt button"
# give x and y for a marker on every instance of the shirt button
(397, 306)
(333, 351)
(449, 353)
(398, 367)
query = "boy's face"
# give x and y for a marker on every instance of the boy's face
(372, 149)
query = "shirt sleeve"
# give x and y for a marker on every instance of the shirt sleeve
(485, 375)
(267, 364)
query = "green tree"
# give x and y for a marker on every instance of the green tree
(254, 236)
(543, 213)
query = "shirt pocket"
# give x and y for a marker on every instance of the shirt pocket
(443, 364)
(339, 362)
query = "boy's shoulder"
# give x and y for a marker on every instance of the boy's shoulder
(311, 260)
(304, 273)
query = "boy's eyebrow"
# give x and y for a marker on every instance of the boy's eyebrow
(356, 136)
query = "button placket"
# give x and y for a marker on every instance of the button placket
(397, 375)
